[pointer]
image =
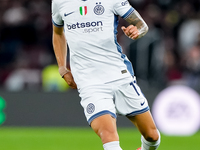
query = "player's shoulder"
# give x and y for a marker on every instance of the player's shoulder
(119, 3)
(59, 1)
(123, 2)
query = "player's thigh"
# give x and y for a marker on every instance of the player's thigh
(145, 124)
(105, 127)
(97, 101)
(129, 99)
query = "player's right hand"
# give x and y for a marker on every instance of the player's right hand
(70, 80)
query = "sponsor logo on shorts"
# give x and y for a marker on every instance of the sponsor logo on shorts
(99, 9)
(90, 108)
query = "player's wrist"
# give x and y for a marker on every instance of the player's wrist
(63, 70)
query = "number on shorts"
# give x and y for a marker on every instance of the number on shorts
(134, 88)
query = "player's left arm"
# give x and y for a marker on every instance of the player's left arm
(137, 28)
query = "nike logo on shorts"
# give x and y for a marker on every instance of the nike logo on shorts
(142, 103)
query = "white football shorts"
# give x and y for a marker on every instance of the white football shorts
(122, 97)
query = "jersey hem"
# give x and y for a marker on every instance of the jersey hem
(97, 83)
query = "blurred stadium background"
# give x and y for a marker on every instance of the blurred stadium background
(32, 94)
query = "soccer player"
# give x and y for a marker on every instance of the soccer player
(99, 70)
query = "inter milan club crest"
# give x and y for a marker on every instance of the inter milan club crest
(83, 10)
(90, 108)
(99, 9)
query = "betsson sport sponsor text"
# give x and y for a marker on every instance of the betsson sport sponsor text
(87, 26)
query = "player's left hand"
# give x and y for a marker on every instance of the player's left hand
(131, 31)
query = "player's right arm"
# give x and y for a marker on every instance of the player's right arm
(60, 45)
(60, 50)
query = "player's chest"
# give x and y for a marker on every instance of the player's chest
(77, 10)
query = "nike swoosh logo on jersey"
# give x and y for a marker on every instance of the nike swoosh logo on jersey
(68, 13)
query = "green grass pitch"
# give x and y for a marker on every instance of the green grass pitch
(56, 138)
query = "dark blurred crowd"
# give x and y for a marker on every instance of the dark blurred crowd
(168, 54)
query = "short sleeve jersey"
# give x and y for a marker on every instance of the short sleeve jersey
(91, 31)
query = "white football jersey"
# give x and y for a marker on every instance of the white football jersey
(91, 31)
